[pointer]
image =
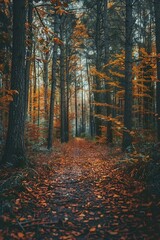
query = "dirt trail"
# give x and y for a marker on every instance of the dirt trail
(80, 194)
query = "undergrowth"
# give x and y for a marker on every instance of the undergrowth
(143, 163)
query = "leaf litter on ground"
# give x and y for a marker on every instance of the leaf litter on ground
(76, 192)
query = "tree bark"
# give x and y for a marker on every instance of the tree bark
(35, 87)
(29, 53)
(15, 148)
(76, 109)
(97, 96)
(45, 82)
(106, 48)
(62, 88)
(157, 28)
(82, 107)
(67, 93)
(127, 138)
(53, 86)
(91, 115)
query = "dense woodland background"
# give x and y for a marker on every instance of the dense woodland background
(80, 119)
(79, 68)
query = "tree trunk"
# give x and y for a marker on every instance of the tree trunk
(76, 109)
(97, 96)
(62, 88)
(82, 108)
(91, 115)
(53, 86)
(35, 88)
(45, 82)
(38, 100)
(127, 138)
(82, 102)
(157, 25)
(147, 69)
(106, 46)
(31, 94)
(15, 147)
(67, 97)
(29, 52)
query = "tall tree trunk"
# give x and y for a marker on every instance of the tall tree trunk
(38, 100)
(157, 25)
(45, 82)
(97, 96)
(15, 147)
(76, 109)
(91, 115)
(62, 87)
(35, 88)
(31, 94)
(106, 46)
(5, 23)
(29, 52)
(82, 108)
(67, 93)
(147, 70)
(53, 86)
(127, 138)
(82, 102)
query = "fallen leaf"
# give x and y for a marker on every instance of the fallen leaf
(20, 234)
(113, 232)
(22, 219)
(93, 229)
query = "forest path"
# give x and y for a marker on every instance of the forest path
(78, 192)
